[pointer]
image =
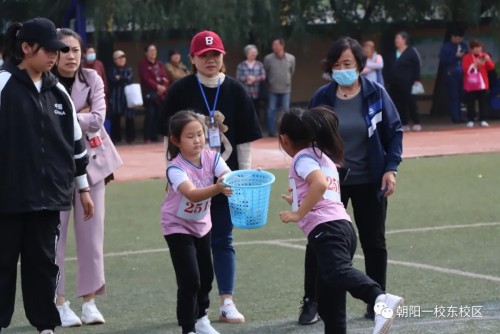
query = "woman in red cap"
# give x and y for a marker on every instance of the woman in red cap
(206, 91)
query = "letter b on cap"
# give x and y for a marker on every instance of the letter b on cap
(209, 40)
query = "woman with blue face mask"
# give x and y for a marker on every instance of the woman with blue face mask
(372, 134)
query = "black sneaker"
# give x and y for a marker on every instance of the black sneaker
(308, 312)
(370, 313)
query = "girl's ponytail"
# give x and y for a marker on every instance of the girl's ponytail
(12, 51)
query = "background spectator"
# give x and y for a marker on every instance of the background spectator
(154, 84)
(404, 71)
(175, 67)
(374, 63)
(251, 73)
(450, 56)
(280, 67)
(120, 75)
(477, 59)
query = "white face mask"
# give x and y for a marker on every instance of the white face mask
(91, 56)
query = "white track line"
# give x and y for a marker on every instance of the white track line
(286, 243)
(411, 264)
(444, 227)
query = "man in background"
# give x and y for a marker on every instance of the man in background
(280, 67)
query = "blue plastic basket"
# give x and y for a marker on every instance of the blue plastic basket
(250, 200)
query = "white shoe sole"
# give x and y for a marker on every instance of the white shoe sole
(94, 322)
(75, 324)
(388, 324)
(232, 321)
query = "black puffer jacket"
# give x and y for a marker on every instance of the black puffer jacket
(41, 147)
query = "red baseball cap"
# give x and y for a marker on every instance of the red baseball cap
(205, 41)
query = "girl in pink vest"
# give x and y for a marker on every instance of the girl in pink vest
(312, 139)
(185, 217)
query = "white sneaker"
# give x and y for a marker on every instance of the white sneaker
(484, 124)
(203, 326)
(47, 331)
(385, 312)
(416, 127)
(470, 124)
(68, 317)
(90, 314)
(229, 313)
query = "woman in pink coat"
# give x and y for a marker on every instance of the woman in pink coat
(87, 92)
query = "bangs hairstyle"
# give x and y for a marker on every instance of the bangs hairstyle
(67, 32)
(176, 124)
(338, 47)
(194, 70)
(316, 128)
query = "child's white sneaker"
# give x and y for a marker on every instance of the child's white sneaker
(385, 312)
(90, 314)
(203, 326)
(229, 313)
(47, 331)
(68, 317)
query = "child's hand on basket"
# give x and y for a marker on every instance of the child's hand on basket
(223, 188)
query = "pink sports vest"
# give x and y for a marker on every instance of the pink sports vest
(329, 208)
(178, 214)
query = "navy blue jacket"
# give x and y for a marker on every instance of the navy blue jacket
(385, 134)
(405, 70)
(448, 55)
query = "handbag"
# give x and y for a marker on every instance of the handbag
(133, 95)
(417, 88)
(473, 80)
(150, 97)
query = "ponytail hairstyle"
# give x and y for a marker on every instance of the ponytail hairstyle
(61, 33)
(176, 124)
(316, 128)
(13, 51)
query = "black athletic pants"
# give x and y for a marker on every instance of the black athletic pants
(192, 261)
(32, 236)
(333, 244)
(369, 215)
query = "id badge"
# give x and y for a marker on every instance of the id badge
(214, 136)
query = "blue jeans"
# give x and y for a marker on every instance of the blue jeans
(277, 101)
(223, 253)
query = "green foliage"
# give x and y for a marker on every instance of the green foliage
(256, 21)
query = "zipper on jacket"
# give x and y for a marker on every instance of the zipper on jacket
(42, 148)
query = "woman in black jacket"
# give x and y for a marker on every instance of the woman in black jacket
(42, 158)
(404, 71)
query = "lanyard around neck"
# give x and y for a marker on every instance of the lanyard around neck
(211, 112)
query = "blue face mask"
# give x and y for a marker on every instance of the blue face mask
(91, 57)
(345, 77)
